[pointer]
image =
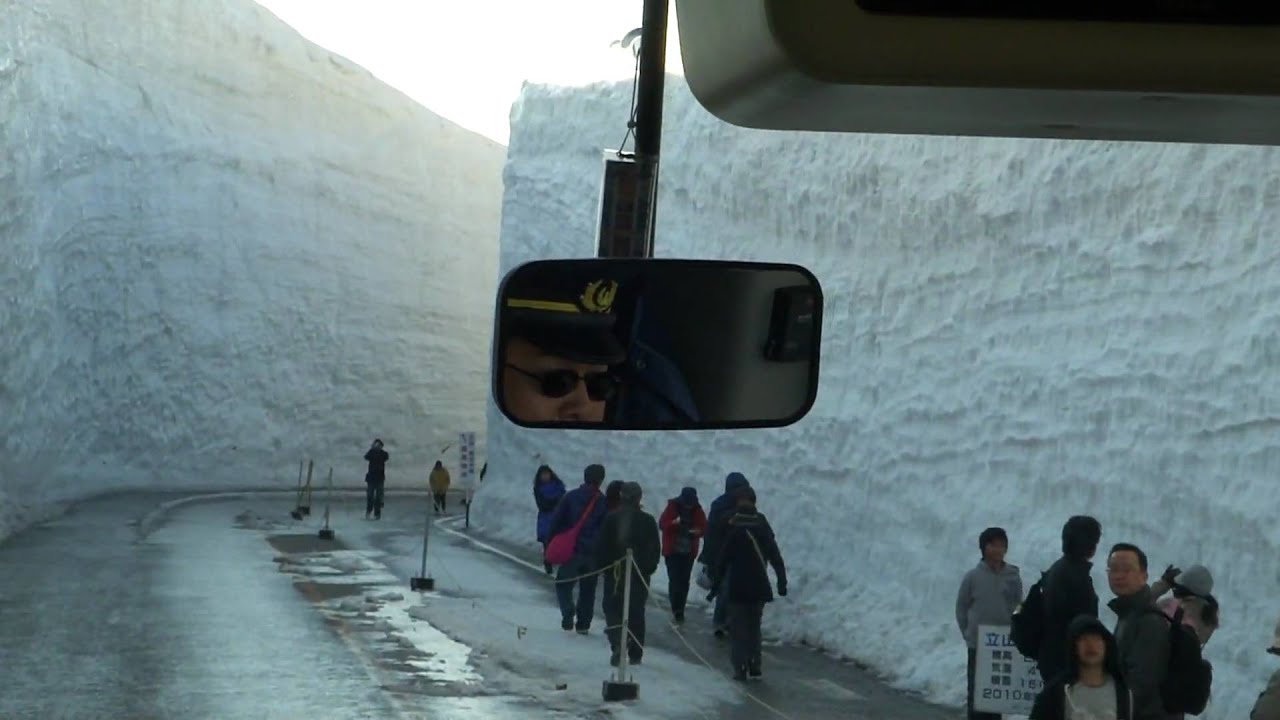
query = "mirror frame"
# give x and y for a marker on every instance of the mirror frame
(498, 347)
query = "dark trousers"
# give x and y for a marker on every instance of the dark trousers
(973, 667)
(720, 616)
(679, 572)
(744, 634)
(584, 609)
(613, 600)
(373, 494)
(439, 500)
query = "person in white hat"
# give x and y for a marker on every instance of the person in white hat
(1268, 705)
(1193, 592)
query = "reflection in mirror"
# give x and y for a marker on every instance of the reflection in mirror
(623, 344)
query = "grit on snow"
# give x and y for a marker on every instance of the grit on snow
(226, 249)
(1016, 331)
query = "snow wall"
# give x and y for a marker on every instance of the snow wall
(223, 250)
(1016, 331)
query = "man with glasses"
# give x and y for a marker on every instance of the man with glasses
(559, 345)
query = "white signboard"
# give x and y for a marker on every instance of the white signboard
(467, 457)
(1004, 681)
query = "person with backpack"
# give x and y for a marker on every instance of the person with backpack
(628, 528)
(722, 508)
(988, 595)
(375, 480)
(741, 572)
(1268, 705)
(1063, 593)
(683, 524)
(1193, 594)
(581, 512)
(1092, 687)
(438, 481)
(548, 488)
(1160, 657)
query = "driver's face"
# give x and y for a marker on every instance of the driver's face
(524, 395)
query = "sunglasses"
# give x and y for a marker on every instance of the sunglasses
(601, 386)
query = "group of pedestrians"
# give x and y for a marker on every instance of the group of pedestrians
(375, 480)
(1150, 666)
(734, 543)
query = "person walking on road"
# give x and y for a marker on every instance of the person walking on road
(375, 480)
(439, 481)
(683, 523)
(548, 489)
(748, 549)
(584, 504)
(721, 509)
(629, 528)
(988, 595)
(1068, 592)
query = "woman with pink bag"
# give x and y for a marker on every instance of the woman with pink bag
(574, 526)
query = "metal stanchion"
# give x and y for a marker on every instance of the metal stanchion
(620, 689)
(326, 532)
(423, 581)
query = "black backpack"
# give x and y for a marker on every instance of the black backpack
(1027, 627)
(1189, 678)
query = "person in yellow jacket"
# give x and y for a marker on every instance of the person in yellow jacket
(439, 482)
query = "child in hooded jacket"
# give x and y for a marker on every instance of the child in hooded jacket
(1092, 687)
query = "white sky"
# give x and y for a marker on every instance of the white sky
(465, 59)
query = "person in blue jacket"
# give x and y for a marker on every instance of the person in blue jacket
(581, 569)
(548, 488)
(722, 508)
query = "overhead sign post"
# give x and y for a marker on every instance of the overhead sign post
(467, 468)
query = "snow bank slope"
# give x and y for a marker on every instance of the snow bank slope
(1016, 331)
(225, 249)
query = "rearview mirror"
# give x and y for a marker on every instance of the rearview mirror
(642, 344)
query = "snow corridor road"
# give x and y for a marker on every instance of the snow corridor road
(146, 605)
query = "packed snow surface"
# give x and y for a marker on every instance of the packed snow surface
(224, 250)
(1016, 331)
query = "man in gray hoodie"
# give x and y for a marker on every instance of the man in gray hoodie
(988, 595)
(1142, 631)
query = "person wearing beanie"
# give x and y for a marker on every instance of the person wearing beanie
(1268, 705)
(627, 528)
(1193, 594)
(722, 508)
(1068, 591)
(1092, 684)
(989, 593)
(585, 505)
(742, 573)
(683, 523)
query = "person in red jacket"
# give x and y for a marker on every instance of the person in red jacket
(683, 524)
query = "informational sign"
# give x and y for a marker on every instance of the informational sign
(467, 458)
(1004, 681)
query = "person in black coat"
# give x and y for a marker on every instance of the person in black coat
(1068, 592)
(748, 548)
(375, 480)
(1092, 683)
(627, 527)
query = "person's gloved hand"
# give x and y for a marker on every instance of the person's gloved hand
(782, 588)
(1170, 573)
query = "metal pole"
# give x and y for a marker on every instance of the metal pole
(625, 630)
(328, 499)
(300, 464)
(649, 87)
(426, 536)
